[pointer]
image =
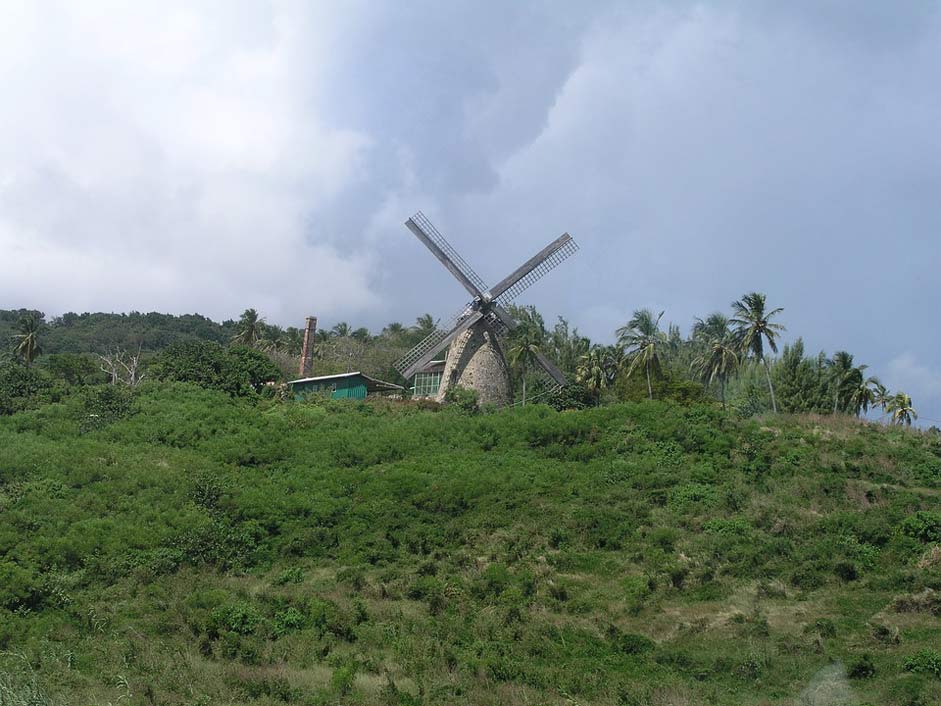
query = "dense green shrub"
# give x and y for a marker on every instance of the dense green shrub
(571, 396)
(105, 405)
(927, 661)
(923, 525)
(22, 387)
(237, 370)
(463, 398)
(239, 619)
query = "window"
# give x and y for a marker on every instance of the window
(426, 384)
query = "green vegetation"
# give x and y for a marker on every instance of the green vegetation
(174, 531)
(175, 544)
(728, 359)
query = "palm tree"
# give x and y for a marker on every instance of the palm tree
(715, 327)
(28, 346)
(394, 331)
(249, 329)
(527, 344)
(865, 393)
(527, 341)
(642, 339)
(717, 363)
(901, 410)
(614, 360)
(424, 325)
(842, 373)
(591, 372)
(754, 328)
(881, 396)
(272, 339)
(341, 330)
(567, 346)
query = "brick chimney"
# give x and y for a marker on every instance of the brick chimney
(307, 352)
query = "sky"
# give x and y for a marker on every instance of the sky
(213, 156)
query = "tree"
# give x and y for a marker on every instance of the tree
(642, 340)
(527, 341)
(864, 393)
(273, 338)
(21, 387)
(900, 409)
(72, 368)
(424, 326)
(842, 371)
(341, 330)
(27, 339)
(802, 384)
(567, 346)
(881, 396)
(715, 327)
(753, 329)
(394, 331)
(122, 366)
(238, 370)
(717, 363)
(591, 372)
(249, 329)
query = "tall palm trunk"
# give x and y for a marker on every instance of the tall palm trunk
(649, 388)
(774, 404)
(524, 389)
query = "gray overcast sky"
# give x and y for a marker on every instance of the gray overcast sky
(211, 156)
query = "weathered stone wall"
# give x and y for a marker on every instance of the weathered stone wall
(476, 361)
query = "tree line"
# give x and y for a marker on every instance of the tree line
(733, 358)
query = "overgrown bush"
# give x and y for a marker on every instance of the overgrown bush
(927, 661)
(237, 370)
(105, 405)
(22, 387)
(924, 526)
(463, 398)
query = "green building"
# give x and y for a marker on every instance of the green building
(356, 386)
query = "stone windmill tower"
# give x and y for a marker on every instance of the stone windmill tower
(476, 359)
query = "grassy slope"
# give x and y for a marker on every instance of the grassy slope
(209, 551)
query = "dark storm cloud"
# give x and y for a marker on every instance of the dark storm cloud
(696, 151)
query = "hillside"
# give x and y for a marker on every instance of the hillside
(185, 547)
(101, 332)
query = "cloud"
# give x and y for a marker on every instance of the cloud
(159, 159)
(209, 156)
(907, 374)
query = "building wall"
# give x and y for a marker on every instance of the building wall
(340, 388)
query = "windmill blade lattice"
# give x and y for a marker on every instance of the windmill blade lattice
(547, 370)
(483, 365)
(428, 228)
(433, 340)
(565, 248)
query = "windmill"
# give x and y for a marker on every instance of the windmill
(476, 359)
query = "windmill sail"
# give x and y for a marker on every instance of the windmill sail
(478, 360)
(548, 368)
(431, 345)
(534, 269)
(425, 231)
